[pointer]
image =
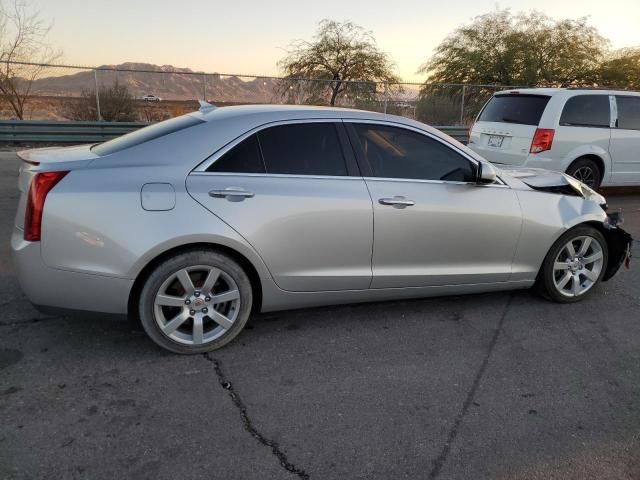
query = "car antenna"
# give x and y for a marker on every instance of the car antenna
(205, 106)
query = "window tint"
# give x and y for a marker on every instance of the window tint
(302, 149)
(628, 112)
(399, 153)
(514, 108)
(243, 158)
(145, 134)
(586, 111)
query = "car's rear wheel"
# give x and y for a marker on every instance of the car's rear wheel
(587, 171)
(574, 265)
(195, 302)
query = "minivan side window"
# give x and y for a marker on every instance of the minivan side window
(586, 111)
(400, 153)
(628, 112)
(292, 149)
(303, 149)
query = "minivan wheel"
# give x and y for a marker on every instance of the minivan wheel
(574, 265)
(587, 171)
(195, 302)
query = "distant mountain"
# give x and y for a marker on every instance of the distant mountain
(169, 83)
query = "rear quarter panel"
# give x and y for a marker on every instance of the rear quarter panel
(94, 223)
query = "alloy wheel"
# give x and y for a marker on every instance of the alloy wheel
(577, 266)
(197, 305)
(586, 175)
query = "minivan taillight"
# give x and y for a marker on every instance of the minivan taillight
(41, 185)
(542, 140)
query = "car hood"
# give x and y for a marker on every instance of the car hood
(553, 182)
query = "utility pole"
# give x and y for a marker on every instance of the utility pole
(95, 79)
(204, 86)
(386, 96)
(464, 89)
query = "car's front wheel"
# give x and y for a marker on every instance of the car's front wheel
(574, 265)
(195, 302)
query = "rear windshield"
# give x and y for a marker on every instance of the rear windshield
(145, 134)
(514, 108)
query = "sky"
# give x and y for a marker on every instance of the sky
(250, 36)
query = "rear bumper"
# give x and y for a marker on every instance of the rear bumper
(50, 287)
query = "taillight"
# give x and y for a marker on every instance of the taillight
(542, 140)
(41, 185)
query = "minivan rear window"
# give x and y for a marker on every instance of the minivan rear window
(514, 108)
(145, 134)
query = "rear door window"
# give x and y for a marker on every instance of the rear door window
(628, 112)
(586, 111)
(292, 149)
(303, 149)
(514, 108)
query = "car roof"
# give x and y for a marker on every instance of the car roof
(286, 111)
(263, 114)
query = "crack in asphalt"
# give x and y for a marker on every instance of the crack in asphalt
(248, 424)
(439, 462)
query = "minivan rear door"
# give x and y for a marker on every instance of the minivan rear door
(506, 125)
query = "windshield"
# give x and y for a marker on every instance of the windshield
(145, 134)
(514, 108)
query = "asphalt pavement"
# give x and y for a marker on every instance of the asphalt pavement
(495, 386)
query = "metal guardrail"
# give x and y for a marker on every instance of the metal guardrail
(32, 131)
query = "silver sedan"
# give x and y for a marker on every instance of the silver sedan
(194, 223)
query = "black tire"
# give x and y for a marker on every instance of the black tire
(546, 278)
(163, 274)
(587, 171)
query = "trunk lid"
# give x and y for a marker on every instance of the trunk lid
(43, 160)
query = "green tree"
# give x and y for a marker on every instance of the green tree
(525, 49)
(621, 69)
(340, 52)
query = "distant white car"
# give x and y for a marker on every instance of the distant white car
(151, 98)
(593, 135)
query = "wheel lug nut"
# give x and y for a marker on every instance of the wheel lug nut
(187, 302)
(192, 312)
(197, 294)
(207, 299)
(205, 310)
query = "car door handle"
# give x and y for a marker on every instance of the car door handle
(397, 201)
(231, 193)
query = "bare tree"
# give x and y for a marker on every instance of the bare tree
(342, 58)
(23, 39)
(116, 105)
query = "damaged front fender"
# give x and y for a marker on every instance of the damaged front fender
(619, 244)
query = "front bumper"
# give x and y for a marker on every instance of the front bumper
(619, 243)
(50, 287)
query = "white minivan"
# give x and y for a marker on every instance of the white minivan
(593, 135)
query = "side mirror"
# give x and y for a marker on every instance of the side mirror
(486, 173)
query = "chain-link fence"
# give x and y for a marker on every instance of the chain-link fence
(141, 92)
